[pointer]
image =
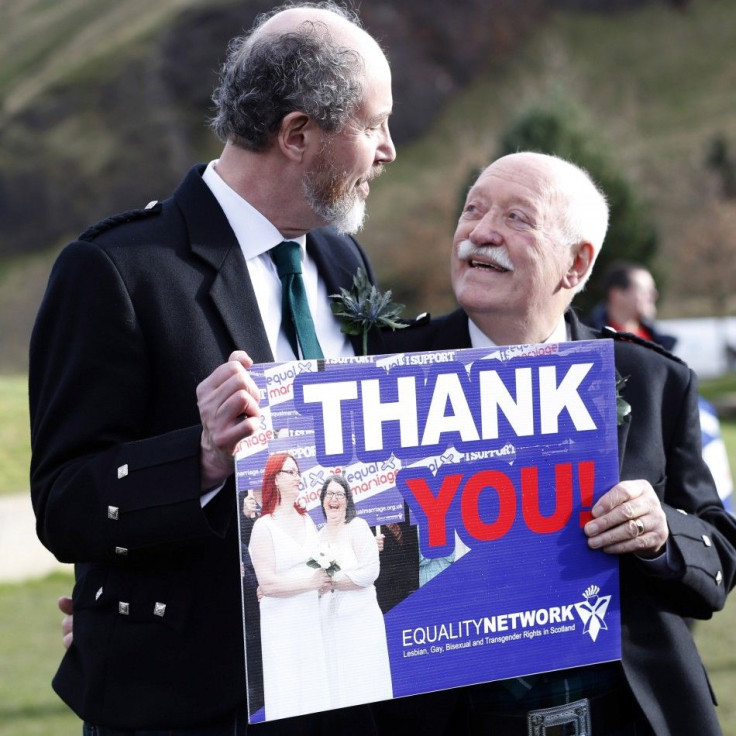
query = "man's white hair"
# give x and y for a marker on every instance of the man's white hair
(572, 193)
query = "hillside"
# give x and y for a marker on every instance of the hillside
(103, 108)
(105, 100)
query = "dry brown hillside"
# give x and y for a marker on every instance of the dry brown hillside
(103, 106)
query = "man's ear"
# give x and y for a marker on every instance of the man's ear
(582, 262)
(297, 133)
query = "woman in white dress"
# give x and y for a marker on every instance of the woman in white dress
(284, 538)
(353, 629)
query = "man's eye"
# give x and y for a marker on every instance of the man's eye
(518, 219)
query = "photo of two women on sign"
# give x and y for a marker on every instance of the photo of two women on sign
(315, 634)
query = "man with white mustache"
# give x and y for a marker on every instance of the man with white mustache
(489, 256)
(525, 243)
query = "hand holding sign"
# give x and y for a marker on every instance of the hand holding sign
(228, 407)
(628, 518)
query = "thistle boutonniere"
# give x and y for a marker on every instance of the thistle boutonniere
(623, 408)
(363, 307)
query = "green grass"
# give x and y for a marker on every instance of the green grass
(716, 640)
(44, 43)
(15, 449)
(714, 387)
(30, 650)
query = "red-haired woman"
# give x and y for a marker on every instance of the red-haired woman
(283, 539)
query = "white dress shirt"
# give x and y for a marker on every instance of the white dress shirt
(479, 339)
(256, 236)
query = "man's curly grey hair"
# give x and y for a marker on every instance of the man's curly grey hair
(265, 78)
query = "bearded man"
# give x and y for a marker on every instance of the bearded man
(138, 384)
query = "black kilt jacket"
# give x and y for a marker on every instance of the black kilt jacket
(138, 311)
(659, 442)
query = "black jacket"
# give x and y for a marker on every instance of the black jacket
(137, 312)
(660, 442)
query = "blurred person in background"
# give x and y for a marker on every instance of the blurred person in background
(630, 305)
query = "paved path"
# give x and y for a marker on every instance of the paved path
(22, 556)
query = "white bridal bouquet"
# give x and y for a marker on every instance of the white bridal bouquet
(322, 559)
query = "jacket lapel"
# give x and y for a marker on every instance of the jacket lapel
(452, 332)
(212, 239)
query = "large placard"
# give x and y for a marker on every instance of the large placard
(476, 469)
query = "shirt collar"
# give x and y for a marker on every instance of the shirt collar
(254, 232)
(479, 339)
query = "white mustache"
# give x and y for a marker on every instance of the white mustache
(497, 254)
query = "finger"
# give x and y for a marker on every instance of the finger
(225, 439)
(621, 515)
(67, 625)
(624, 492)
(218, 376)
(630, 546)
(243, 381)
(229, 380)
(617, 526)
(645, 536)
(228, 415)
(65, 605)
(647, 545)
(627, 500)
(240, 356)
(226, 372)
(238, 404)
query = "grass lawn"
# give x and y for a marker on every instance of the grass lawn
(30, 650)
(716, 640)
(15, 435)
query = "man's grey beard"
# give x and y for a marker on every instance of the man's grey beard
(345, 211)
(347, 216)
(498, 254)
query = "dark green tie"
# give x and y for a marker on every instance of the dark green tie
(296, 319)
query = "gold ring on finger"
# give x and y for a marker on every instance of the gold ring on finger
(639, 527)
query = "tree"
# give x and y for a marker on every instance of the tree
(709, 262)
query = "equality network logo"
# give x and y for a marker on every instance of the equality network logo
(592, 611)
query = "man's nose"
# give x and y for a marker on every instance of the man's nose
(486, 231)
(386, 151)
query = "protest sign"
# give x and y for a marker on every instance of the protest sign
(491, 461)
